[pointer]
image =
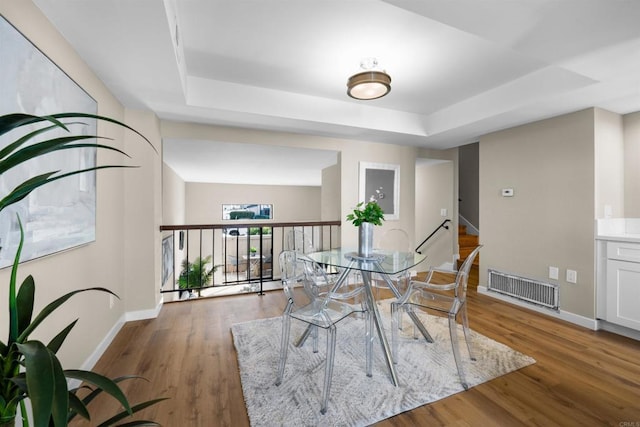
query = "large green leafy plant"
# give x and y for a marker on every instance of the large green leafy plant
(371, 212)
(28, 367)
(196, 274)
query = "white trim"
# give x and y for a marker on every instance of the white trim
(576, 319)
(91, 361)
(620, 330)
(93, 358)
(447, 266)
(144, 314)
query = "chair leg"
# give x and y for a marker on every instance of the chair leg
(467, 333)
(369, 342)
(328, 369)
(453, 332)
(284, 344)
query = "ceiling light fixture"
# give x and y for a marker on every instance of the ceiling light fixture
(369, 84)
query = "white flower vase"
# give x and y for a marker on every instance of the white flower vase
(365, 239)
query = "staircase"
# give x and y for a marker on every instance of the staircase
(467, 243)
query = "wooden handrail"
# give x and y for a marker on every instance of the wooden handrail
(253, 224)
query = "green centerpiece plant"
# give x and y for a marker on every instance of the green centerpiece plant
(371, 213)
(365, 217)
(30, 368)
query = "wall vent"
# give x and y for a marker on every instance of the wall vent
(532, 291)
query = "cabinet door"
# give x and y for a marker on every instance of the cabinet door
(623, 293)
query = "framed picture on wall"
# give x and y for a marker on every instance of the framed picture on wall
(62, 215)
(381, 182)
(167, 259)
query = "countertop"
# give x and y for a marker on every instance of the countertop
(628, 237)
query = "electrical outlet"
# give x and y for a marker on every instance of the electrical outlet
(572, 276)
(443, 212)
(554, 273)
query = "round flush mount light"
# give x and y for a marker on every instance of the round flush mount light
(369, 84)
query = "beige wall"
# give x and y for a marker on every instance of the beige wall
(550, 219)
(290, 203)
(173, 197)
(101, 263)
(631, 162)
(143, 217)
(352, 152)
(330, 193)
(434, 183)
(609, 164)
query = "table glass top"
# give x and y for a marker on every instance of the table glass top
(389, 262)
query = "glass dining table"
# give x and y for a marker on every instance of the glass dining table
(380, 262)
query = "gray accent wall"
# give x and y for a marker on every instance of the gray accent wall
(468, 191)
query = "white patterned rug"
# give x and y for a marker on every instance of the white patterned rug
(426, 372)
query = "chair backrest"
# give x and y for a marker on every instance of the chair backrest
(394, 239)
(299, 241)
(462, 278)
(292, 274)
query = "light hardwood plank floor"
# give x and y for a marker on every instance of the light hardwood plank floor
(581, 378)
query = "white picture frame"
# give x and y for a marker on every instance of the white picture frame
(381, 181)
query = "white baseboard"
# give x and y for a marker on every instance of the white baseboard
(91, 361)
(144, 314)
(620, 330)
(576, 319)
(447, 266)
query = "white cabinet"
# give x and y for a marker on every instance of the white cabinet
(623, 284)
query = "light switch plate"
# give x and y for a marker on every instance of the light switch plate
(572, 276)
(554, 273)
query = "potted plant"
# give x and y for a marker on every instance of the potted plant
(195, 275)
(365, 217)
(28, 367)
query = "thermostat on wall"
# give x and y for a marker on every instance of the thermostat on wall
(507, 192)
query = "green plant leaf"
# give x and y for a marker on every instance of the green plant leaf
(77, 407)
(46, 384)
(25, 188)
(51, 145)
(13, 304)
(24, 301)
(49, 308)
(106, 384)
(23, 140)
(55, 344)
(16, 120)
(140, 406)
(13, 121)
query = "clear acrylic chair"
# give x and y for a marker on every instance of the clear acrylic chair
(318, 307)
(299, 241)
(395, 239)
(449, 298)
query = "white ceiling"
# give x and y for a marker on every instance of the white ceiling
(459, 68)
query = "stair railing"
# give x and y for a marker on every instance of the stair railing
(443, 225)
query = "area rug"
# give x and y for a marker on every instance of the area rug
(426, 372)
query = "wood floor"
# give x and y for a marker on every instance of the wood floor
(581, 378)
